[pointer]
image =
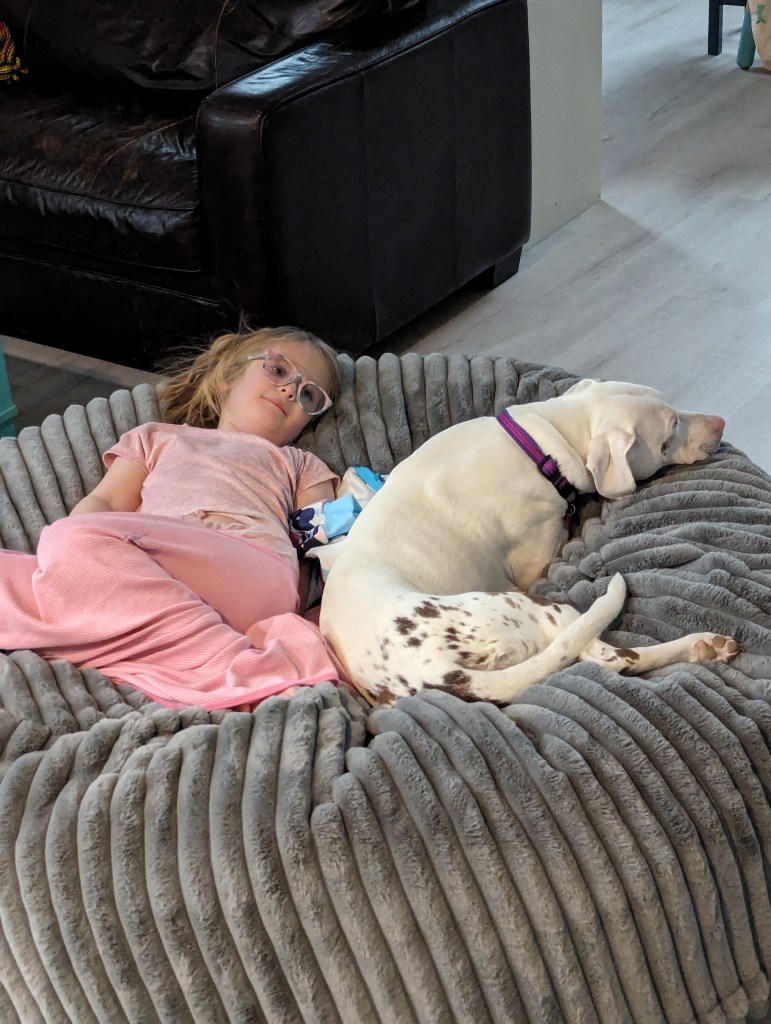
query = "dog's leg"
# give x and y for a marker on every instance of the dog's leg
(634, 660)
(483, 646)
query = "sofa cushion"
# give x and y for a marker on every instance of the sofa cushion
(102, 176)
(170, 44)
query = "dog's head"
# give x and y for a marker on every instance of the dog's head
(633, 433)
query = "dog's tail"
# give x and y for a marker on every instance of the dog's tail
(503, 685)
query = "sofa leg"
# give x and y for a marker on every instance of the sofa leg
(715, 28)
(500, 271)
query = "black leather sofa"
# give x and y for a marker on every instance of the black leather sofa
(346, 186)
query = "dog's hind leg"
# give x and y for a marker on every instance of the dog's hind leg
(634, 660)
(472, 656)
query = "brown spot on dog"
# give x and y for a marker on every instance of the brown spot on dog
(456, 683)
(456, 679)
(550, 618)
(402, 680)
(544, 603)
(427, 611)
(471, 659)
(404, 626)
(384, 697)
(628, 653)
(414, 641)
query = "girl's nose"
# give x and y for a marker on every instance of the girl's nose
(289, 387)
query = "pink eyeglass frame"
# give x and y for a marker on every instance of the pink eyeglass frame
(298, 380)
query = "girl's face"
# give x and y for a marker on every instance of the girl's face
(256, 406)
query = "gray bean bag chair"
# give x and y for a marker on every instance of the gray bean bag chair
(596, 852)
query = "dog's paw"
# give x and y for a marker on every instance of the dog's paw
(715, 646)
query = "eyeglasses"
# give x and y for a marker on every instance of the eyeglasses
(310, 396)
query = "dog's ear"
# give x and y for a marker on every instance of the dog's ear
(607, 461)
(580, 385)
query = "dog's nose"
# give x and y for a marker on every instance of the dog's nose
(714, 426)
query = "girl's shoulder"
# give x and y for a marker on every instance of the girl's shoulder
(307, 463)
(157, 435)
(152, 434)
(155, 426)
(160, 429)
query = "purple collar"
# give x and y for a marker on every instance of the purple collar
(547, 464)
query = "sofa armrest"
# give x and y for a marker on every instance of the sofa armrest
(358, 183)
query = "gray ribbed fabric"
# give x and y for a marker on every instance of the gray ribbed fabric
(596, 852)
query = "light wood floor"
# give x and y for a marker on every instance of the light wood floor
(46, 380)
(662, 282)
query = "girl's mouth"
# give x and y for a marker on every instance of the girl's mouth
(278, 405)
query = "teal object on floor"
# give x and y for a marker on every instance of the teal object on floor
(7, 408)
(746, 52)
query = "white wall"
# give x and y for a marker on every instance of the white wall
(566, 98)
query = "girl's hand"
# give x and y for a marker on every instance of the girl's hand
(250, 706)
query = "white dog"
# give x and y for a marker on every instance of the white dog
(424, 592)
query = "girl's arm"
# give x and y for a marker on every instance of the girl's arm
(119, 490)
(319, 492)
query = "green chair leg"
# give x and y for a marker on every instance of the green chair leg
(746, 52)
(7, 408)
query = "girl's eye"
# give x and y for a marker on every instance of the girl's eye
(664, 447)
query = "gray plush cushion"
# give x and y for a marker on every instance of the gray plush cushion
(595, 852)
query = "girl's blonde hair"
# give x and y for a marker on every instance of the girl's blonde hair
(197, 388)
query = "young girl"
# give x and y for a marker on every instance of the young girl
(176, 574)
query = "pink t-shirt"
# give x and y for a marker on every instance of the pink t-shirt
(193, 471)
